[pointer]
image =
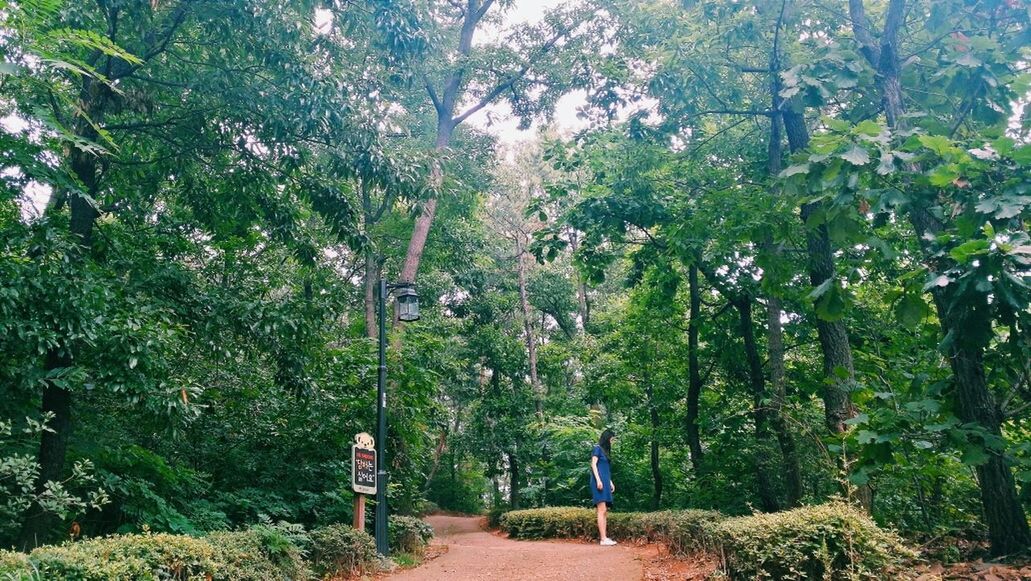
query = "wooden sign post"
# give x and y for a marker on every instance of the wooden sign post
(363, 475)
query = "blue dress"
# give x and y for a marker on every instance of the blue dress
(605, 471)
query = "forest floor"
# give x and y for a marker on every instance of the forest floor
(475, 554)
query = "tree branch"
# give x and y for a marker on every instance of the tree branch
(861, 29)
(504, 86)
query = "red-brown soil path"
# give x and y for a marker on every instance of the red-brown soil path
(475, 554)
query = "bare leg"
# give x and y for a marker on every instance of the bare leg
(602, 524)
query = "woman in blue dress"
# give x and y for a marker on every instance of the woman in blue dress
(601, 483)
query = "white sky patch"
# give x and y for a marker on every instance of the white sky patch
(497, 118)
(323, 20)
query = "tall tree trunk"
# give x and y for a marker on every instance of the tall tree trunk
(838, 370)
(777, 400)
(371, 268)
(371, 280)
(421, 230)
(513, 470)
(53, 445)
(1007, 523)
(528, 335)
(581, 289)
(653, 414)
(757, 383)
(694, 388)
(774, 329)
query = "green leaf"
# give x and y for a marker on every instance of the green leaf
(974, 455)
(943, 175)
(856, 156)
(1022, 155)
(911, 310)
(937, 143)
(940, 280)
(969, 249)
(866, 436)
(870, 128)
(830, 306)
(796, 169)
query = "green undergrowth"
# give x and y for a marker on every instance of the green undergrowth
(827, 542)
(261, 553)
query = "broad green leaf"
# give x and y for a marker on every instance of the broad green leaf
(856, 155)
(938, 144)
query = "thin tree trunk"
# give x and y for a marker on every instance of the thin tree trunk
(514, 492)
(694, 388)
(371, 268)
(757, 383)
(777, 400)
(581, 289)
(653, 413)
(528, 335)
(1008, 529)
(774, 329)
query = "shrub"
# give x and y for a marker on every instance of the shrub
(149, 556)
(341, 550)
(544, 523)
(16, 567)
(258, 554)
(424, 507)
(682, 531)
(409, 534)
(830, 541)
(827, 542)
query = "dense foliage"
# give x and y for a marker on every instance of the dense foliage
(786, 258)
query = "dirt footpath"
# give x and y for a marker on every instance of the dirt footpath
(474, 555)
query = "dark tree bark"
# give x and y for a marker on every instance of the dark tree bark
(1008, 528)
(583, 307)
(53, 445)
(653, 415)
(514, 491)
(774, 329)
(757, 383)
(694, 388)
(838, 369)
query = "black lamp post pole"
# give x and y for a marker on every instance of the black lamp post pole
(382, 546)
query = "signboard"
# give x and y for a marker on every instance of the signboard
(363, 465)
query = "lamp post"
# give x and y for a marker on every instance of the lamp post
(407, 310)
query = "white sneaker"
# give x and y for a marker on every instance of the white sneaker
(608, 542)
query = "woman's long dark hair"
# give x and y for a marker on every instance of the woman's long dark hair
(605, 441)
